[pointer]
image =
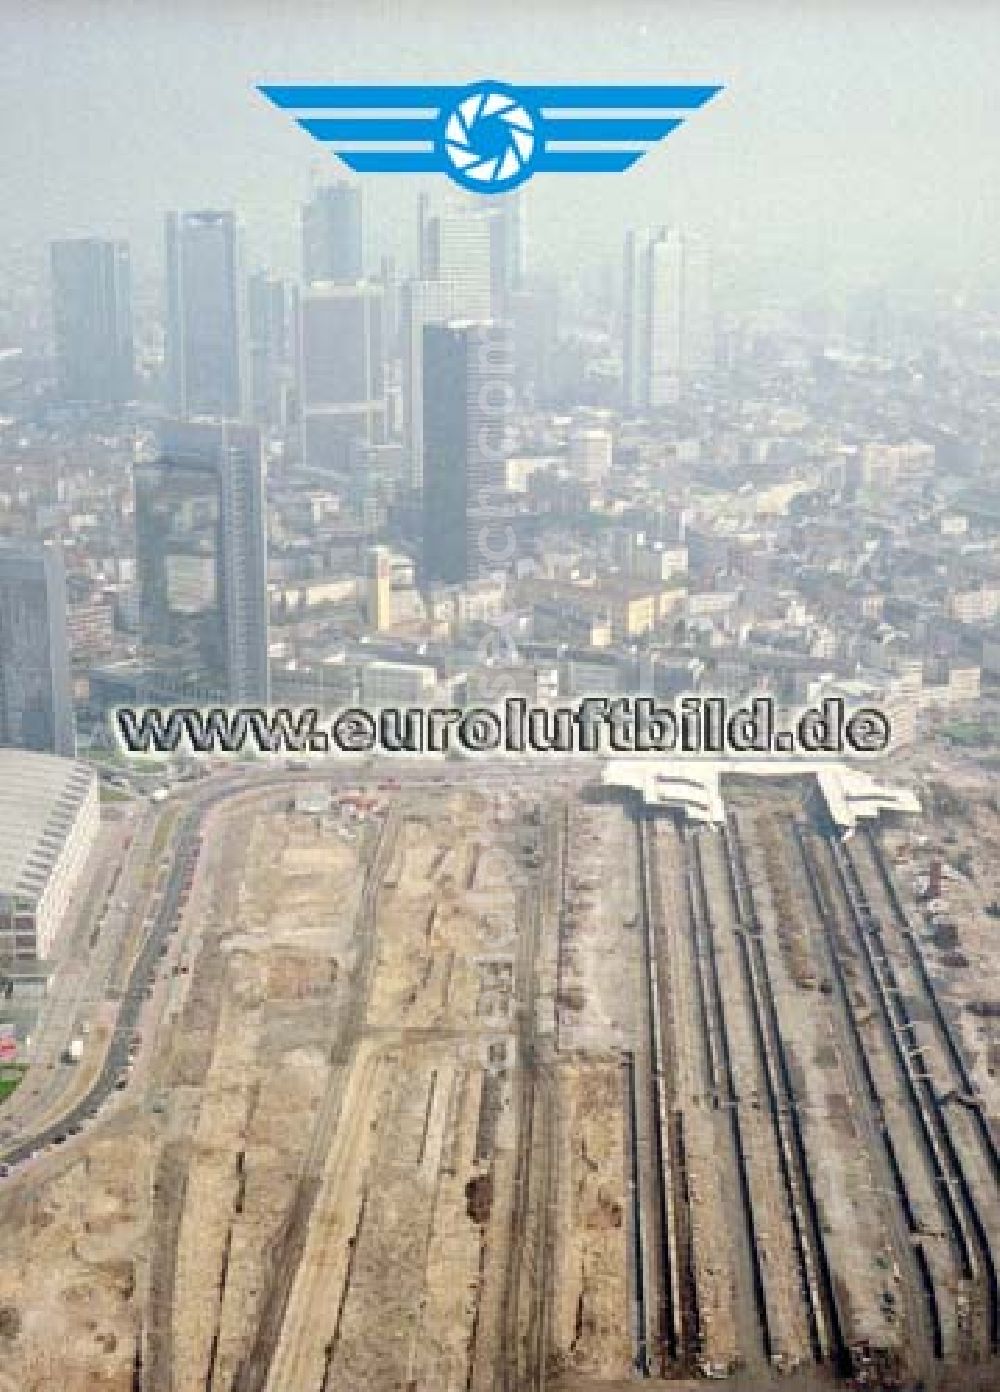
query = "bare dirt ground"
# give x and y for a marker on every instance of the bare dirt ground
(409, 1117)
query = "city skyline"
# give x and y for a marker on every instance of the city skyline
(748, 174)
(499, 701)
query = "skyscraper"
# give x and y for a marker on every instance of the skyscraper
(332, 234)
(267, 345)
(92, 320)
(457, 251)
(667, 316)
(204, 315)
(342, 372)
(533, 312)
(468, 374)
(421, 303)
(469, 264)
(202, 559)
(508, 251)
(36, 704)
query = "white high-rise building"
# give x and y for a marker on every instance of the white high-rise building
(456, 252)
(667, 331)
(421, 302)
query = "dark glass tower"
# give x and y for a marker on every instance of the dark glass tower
(468, 391)
(202, 556)
(204, 314)
(332, 231)
(92, 320)
(36, 704)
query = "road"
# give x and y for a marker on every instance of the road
(45, 1124)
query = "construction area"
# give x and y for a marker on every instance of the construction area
(521, 1086)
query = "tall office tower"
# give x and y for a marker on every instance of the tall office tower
(388, 278)
(533, 312)
(635, 312)
(456, 252)
(36, 702)
(667, 316)
(342, 372)
(204, 315)
(468, 394)
(332, 234)
(378, 589)
(508, 251)
(202, 559)
(421, 302)
(267, 346)
(92, 319)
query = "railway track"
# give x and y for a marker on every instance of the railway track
(825, 1327)
(666, 1338)
(719, 1067)
(672, 976)
(522, 1361)
(961, 1078)
(904, 1227)
(637, 1231)
(255, 1371)
(965, 1223)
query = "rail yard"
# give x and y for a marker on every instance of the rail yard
(496, 1085)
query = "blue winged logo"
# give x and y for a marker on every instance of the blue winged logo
(489, 137)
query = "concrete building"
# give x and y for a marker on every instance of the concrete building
(619, 610)
(342, 373)
(205, 290)
(397, 683)
(590, 454)
(202, 553)
(36, 699)
(975, 606)
(49, 819)
(92, 320)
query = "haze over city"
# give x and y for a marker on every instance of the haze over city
(851, 144)
(499, 697)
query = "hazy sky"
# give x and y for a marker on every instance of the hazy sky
(853, 141)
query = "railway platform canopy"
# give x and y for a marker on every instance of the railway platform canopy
(694, 786)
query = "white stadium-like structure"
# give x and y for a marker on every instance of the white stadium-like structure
(49, 819)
